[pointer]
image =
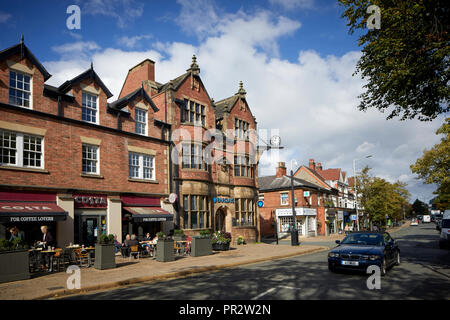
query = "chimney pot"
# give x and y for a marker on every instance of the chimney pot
(312, 164)
(281, 170)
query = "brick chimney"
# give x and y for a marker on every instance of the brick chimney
(281, 170)
(319, 166)
(312, 164)
(143, 72)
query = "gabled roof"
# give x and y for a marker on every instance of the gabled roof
(176, 83)
(331, 174)
(88, 74)
(122, 102)
(351, 181)
(23, 50)
(225, 105)
(313, 173)
(283, 183)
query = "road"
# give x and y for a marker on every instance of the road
(423, 274)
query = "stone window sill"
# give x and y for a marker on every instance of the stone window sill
(143, 180)
(24, 169)
(94, 176)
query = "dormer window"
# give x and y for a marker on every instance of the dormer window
(89, 108)
(140, 119)
(19, 89)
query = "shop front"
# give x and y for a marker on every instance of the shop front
(90, 217)
(142, 215)
(28, 211)
(331, 221)
(305, 221)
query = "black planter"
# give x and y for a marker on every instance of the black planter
(164, 250)
(221, 246)
(105, 258)
(201, 247)
(14, 265)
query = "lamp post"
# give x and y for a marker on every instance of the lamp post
(356, 189)
(294, 231)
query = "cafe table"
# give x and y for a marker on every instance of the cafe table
(50, 253)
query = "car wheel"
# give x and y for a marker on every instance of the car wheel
(397, 259)
(383, 267)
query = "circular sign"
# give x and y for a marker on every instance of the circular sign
(173, 197)
(275, 140)
(260, 203)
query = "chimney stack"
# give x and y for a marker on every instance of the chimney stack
(319, 166)
(142, 72)
(312, 164)
(281, 170)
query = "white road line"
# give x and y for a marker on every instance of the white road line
(264, 293)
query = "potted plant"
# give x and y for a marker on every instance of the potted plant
(240, 240)
(221, 241)
(105, 258)
(178, 235)
(201, 244)
(14, 260)
(164, 248)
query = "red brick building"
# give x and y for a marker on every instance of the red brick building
(276, 213)
(214, 176)
(94, 165)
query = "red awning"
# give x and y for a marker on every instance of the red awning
(149, 214)
(140, 201)
(31, 212)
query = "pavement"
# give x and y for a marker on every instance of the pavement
(46, 286)
(54, 285)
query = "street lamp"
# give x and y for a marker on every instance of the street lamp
(356, 189)
(294, 231)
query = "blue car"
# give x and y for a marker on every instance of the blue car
(361, 249)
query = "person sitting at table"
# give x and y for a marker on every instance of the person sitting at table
(146, 246)
(117, 244)
(132, 242)
(16, 234)
(147, 237)
(124, 249)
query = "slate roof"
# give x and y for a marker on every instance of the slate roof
(225, 104)
(122, 102)
(89, 73)
(176, 83)
(269, 183)
(24, 51)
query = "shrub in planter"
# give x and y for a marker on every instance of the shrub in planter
(201, 244)
(14, 260)
(240, 240)
(105, 258)
(179, 235)
(221, 241)
(164, 248)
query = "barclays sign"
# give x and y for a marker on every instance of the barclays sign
(223, 200)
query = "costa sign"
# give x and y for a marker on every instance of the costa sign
(90, 201)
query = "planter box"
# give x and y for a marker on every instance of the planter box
(221, 246)
(164, 250)
(201, 247)
(14, 265)
(105, 258)
(179, 238)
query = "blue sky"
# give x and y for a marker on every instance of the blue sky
(295, 57)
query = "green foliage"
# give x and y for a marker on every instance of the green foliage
(240, 240)
(105, 239)
(434, 167)
(161, 235)
(380, 197)
(178, 232)
(221, 237)
(405, 62)
(19, 244)
(5, 245)
(419, 208)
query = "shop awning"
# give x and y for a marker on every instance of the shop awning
(149, 214)
(15, 212)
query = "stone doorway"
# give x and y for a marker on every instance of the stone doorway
(220, 220)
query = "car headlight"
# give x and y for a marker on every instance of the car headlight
(374, 257)
(333, 255)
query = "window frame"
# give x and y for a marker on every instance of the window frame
(242, 166)
(136, 122)
(97, 167)
(195, 156)
(21, 90)
(200, 208)
(193, 112)
(97, 107)
(286, 203)
(20, 150)
(141, 166)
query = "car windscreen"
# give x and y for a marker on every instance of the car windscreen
(369, 239)
(445, 223)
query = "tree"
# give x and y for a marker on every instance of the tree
(406, 61)
(434, 167)
(419, 208)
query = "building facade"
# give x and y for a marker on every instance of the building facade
(75, 162)
(276, 212)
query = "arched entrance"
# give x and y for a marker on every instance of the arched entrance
(220, 220)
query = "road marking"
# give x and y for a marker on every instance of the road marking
(263, 294)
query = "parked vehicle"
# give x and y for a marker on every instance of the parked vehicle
(361, 249)
(426, 219)
(444, 239)
(414, 222)
(438, 224)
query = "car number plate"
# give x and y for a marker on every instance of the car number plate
(350, 263)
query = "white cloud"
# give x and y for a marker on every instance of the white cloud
(293, 4)
(4, 17)
(124, 11)
(311, 101)
(132, 42)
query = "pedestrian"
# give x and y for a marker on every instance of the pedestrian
(16, 234)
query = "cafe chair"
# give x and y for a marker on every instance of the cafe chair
(82, 256)
(63, 258)
(134, 250)
(177, 247)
